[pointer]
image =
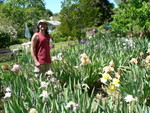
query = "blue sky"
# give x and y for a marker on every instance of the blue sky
(55, 5)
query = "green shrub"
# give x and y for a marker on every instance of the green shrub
(7, 35)
(56, 36)
(4, 40)
(59, 37)
(131, 19)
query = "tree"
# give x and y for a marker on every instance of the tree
(118, 1)
(76, 15)
(48, 13)
(73, 18)
(22, 11)
(2, 1)
(26, 3)
(132, 18)
(135, 2)
(104, 11)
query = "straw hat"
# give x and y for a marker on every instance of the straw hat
(42, 21)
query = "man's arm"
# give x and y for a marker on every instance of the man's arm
(33, 48)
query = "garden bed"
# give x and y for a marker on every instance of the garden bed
(94, 76)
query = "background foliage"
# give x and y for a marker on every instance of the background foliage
(76, 15)
(18, 12)
(132, 18)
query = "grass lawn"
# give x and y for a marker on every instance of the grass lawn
(58, 46)
(63, 44)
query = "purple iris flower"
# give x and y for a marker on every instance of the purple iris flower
(83, 41)
(88, 43)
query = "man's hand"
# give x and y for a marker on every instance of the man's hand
(37, 64)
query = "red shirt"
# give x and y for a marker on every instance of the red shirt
(43, 49)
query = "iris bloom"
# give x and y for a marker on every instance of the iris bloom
(84, 56)
(83, 41)
(148, 51)
(134, 60)
(49, 72)
(15, 68)
(129, 43)
(75, 67)
(44, 84)
(54, 58)
(116, 82)
(33, 110)
(111, 63)
(53, 79)
(141, 53)
(8, 89)
(59, 56)
(112, 88)
(88, 43)
(129, 98)
(117, 74)
(85, 62)
(147, 60)
(99, 96)
(103, 80)
(84, 59)
(105, 77)
(108, 68)
(45, 94)
(7, 95)
(72, 105)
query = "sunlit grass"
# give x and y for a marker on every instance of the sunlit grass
(61, 45)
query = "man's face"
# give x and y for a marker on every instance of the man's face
(43, 26)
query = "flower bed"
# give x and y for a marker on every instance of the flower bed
(99, 75)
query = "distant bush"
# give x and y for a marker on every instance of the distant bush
(56, 36)
(7, 35)
(59, 37)
(4, 40)
(16, 41)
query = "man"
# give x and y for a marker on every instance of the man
(40, 48)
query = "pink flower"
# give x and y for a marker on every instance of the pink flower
(15, 68)
(117, 75)
(134, 60)
(111, 63)
(108, 68)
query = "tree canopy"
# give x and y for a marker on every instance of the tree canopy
(132, 18)
(21, 11)
(76, 15)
